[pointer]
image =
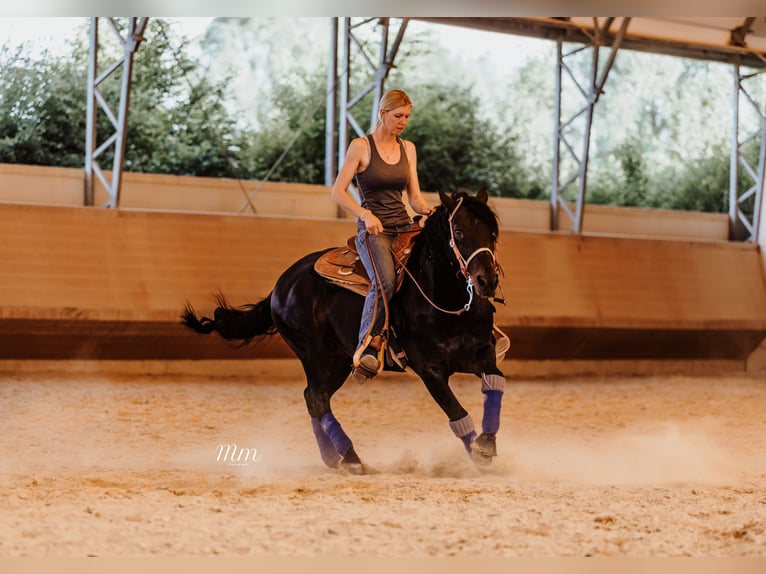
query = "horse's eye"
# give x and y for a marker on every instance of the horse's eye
(458, 234)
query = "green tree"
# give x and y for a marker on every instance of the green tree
(291, 147)
(177, 124)
(250, 104)
(629, 186)
(42, 109)
(457, 148)
(178, 120)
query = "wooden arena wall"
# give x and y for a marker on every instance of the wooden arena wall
(65, 186)
(82, 283)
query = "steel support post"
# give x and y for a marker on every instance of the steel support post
(590, 93)
(353, 44)
(96, 101)
(745, 216)
(557, 140)
(331, 111)
(343, 88)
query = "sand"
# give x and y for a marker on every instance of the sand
(130, 466)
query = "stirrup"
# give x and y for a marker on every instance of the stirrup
(366, 371)
(362, 372)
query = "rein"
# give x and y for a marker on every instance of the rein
(462, 262)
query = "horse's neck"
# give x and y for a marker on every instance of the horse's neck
(435, 268)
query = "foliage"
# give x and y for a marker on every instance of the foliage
(292, 146)
(630, 184)
(251, 105)
(42, 109)
(456, 148)
(178, 121)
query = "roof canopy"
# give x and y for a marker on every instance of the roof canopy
(735, 39)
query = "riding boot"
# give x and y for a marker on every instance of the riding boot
(368, 359)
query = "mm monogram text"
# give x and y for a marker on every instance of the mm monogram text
(236, 456)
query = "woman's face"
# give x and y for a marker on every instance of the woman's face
(396, 120)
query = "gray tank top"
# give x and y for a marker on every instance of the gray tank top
(381, 185)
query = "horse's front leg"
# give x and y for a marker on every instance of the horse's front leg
(493, 387)
(460, 422)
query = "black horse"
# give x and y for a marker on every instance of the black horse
(442, 318)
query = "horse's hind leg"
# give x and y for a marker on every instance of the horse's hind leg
(335, 447)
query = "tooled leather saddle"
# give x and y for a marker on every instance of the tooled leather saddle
(343, 267)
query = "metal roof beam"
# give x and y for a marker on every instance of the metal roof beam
(566, 30)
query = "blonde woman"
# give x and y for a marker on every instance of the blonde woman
(384, 166)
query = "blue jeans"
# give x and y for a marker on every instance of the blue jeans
(380, 250)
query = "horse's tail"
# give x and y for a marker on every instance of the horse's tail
(243, 323)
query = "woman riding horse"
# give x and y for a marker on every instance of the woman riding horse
(442, 318)
(384, 166)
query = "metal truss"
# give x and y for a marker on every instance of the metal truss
(578, 123)
(570, 160)
(354, 48)
(745, 208)
(133, 35)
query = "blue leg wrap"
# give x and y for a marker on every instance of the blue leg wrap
(490, 423)
(468, 440)
(329, 455)
(464, 430)
(339, 438)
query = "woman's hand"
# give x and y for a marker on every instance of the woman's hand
(372, 223)
(426, 210)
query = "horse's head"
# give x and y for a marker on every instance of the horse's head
(473, 238)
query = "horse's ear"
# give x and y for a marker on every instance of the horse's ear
(446, 200)
(483, 196)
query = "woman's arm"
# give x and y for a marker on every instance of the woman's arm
(355, 157)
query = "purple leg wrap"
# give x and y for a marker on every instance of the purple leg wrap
(339, 438)
(329, 455)
(491, 420)
(468, 440)
(464, 430)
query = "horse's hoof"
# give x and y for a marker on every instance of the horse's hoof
(356, 468)
(484, 449)
(351, 462)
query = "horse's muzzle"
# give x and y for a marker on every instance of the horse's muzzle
(485, 280)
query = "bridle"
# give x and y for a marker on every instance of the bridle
(459, 256)
(462, 262)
